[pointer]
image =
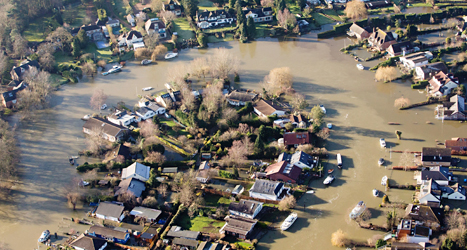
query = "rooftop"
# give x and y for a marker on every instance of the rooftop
(267, 107)
(266, 187)
(148, 213)
(109, 209)
(245, 206)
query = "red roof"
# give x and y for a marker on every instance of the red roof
(284, 171)
(456, 142)
(298, 138)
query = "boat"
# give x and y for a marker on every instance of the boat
(147, 88)
(321, 106)
(146, 62)
(360, 66)
(375, 192)
(105, 73)
(72, 161)
(86, 117)
(44, 236)
(330, 171)
(289, 221)
(384, 180)
(393, 123)
(339, 161)
(356, 58)
(381, 161)
(170, 55)
(329, 179)
(357, 210)
(329, 125)
(382, 142)
(310, 192)
(104, 106)
(74, 156)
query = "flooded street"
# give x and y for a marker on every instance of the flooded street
(357, 106)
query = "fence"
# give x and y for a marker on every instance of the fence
(222, 193)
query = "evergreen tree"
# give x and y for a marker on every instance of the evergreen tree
(301, 4)
(243, 32)
(202, 40)
(232, 4)
(240, 15)
(76, 52)
(82, 38)
(259, 146)
(251, 27)
(191, 7)
(58, 17)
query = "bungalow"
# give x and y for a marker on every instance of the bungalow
(185, 243)
(130, 38)
(436, 157)
(123, 118)
(203, 172)
(457, 144)
(238, 190)
(452, 110)
(177, 232)
(259, 15)
(109, 234)
(238, 226)
(411, 232)
(110, 211)
(359, 32)
(298, 121)
(411, 246)
(402, 48)
(442, 84)
(210, 19)
(427, 71)
(245, 208)
(266, 189)
(428, 216)
(299, 159)
(266, 108)
(165, 100)
(297, 138)
(113, 23)
(154, 25)
(430, 194)
(131, 19)
(440, 174)
(93, 31)
(110, 131)
(17, 73)
(137, 171)
(87, 242)
(145, 113)
(240, 98)
(173, 7)
(415, 60)
(380, 40)
(149, 214)
(130, 186)
(456, 192)
(156, 108)
(283, 171)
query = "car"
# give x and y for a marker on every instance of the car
(104, 106)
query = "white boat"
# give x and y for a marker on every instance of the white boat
(375, 192)
(381, 161)
(339, 161)
(382, 142)
(357, 210)
(322, 108)
(104, 106)
(170, 55)
(288, 221)
(360, 66)
(86, 117)
(44, 236)
(329, 125)
(310, 191)
(329, 179)
(147, 88)
(384, 180)
(146, 62)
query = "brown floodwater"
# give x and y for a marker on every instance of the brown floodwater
(359, 108)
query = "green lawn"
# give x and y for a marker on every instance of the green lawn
(226, 28)
(119, 8)
(205, 3)
(213, 39)
(200, 223)
(334, 14)
(213, 200)
(57, 80)
(321, 19)
(182, 27)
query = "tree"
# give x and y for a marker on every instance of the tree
(223, 62)
(202, 39)
(278, 81)
(301, 4)
(191, 7)
(401, 102)
(37, 95)
(243, 32)
(237, 154)
(82, 38)
(47, 62)
(449, 244)
(298, 101)
(167, 16)
(280, 5)
(287, 203)
(150, 202)
(102, 64)
(59, 37)
(159, 52)
(148, 128)
(142, 53)
(89, 68)
(339, 238)
(102, 14)
(155, 157)
(380, 243)
(95, 142)
(317, 115)
(398, 134)
(289, 126)
(386, 74)
(232, 4)
(98, 98)
(356, 9)
(267, 3)
(286, 19)
(156, 6)
(411, 30)
(385, 199)
(72, 192)
(151, 40)
(20, 46)
(240, 15)
(9, 152)
(76, 48)
(3, 65)
(251, 27)
(162, 190)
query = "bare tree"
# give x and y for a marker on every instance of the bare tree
(155, 157)
(89, 68)
(401, 102)
(249, 146)
(243, 128)
(95, 142)
(142, 53)
(213, 98)
(163, 190)
(286, 19)
(267, 3)
(385, 73)
(356, 9)
(127, 198)
(306, 148)
(167, 16)
(188, 98)
(230, 115)
(45, 48)
(278, 81)
(98, 98)
(148, 128)
(102, 64)
(150, 202)
(9, 152)
(177, 74)
(159, 52)
(90, 175)
(37, 95)
(3, 65)
(339, 238)
(20, 46)
(237, 154)
(298, 101)
(47, 62)
(200, 67)
(156, 6)
(72, 192)
(287, 203)
(151, 40)
(59, 37)
(223, 62)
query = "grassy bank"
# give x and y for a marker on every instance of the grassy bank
(182, 27)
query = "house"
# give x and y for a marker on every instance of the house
(145, 113)
(259, 15)
(123, 118)
(203, 172)
(215, 18)
(426, 215)
(397, 245)
(149, 214)
(237, 226)
(114, 23)
(411, 232)
(245, 208)
(173, 7)
(9, 98)
(106, 129)
(457, 144)
(283, 171)
(415, 60)
(177, 232)
(131, 19)
(165, 100)
(238, 190)
(240, 98)
(298, 121)
(299, 159)
(110, 211)
(380, 40)
(296, 138)
(452, 110)
(267, 108)
(378, 4)
(154, 25)
(130, 186)
(18, 73)
(185, 243)
(426, 72)
(93, 31)
(109, 234)
(442, 84)
(137, 171)
(402, 48)
(175, 95)
(145, 102)
(430, 193)
(440, 174)
(456, 192)
(204, 245)
(436, 157)
(266, 189)
(359, 32)
(130, 38)
(87, 242)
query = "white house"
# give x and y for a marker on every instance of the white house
(452, 110)
(137, 171)
(130, 38)
(267, 108)
(145, 113)
(110, 211)
(416, 59)
(440, 174)
(203, 172)
(154, 25)
(425, 72)
(442, 84)
(210, 19)
(246, 208)
(259, 15)
(412, 232)
(123, 118)
(147, 213)
(131, 19)
(113, 23)
(458, 193)
(266, 189)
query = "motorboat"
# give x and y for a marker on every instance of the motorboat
(329, 125)
(83, 183)
(72, 161)
(146, 62)
(330, 171)
(381, 161)
(384, 180)
(310, 191)
(356, 58)
(86, 117)
(170, 55)
(147, 88)
(382, 142)
(321, 106)
(115, 69)
(329, 179)
(44, 236)
(360, 66)
(357, 210)
(375, 192)
(104, 106)
(339, 161)
(289, 221)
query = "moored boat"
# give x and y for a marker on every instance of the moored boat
(86, 117)
(44, 236)
(146, 62)
(357, 210)
(381, 161)
(329, 125)
(382, 142)
(360, 67)
(321, 106)
(330, 171)
(170, 55)
(339, 161)
(329, 179)
(375, 192)
(384, 180)
(147, 88)
(289, 221)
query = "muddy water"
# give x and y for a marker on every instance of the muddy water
(358, 107)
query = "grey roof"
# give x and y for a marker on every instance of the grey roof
(113, 21)
(144, 110)
(88, 242)
(299, 156)
(245, 206)
(400, 47)
(185, 242)
(436, 154)
(170, 170)
(25, 65)
(433, 68)
(178, 232)
(136, 169)
(85, 28)
(239, 225)
(357, 29)
(107, 232)
(134, 186)
(238, 96)
(148, 213)
(204, 165)
(266, 187)
(108, 127)
(109, 209)
(436, 173)
(147, 236)
(9, 95)
(211, 246)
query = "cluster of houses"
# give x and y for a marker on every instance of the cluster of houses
(220, 18)
(17, 83)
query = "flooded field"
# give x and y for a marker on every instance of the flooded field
(359, 108)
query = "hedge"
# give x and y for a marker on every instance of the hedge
(420, 85)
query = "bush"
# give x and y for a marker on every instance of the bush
(226, 174)
(420, 84)
(86, 167)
